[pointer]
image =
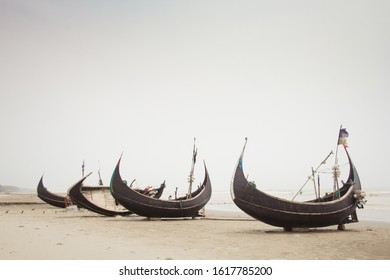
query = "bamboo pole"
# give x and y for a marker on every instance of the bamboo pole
(308, 179)
(313, 175)
(191, 177)
(336, 187)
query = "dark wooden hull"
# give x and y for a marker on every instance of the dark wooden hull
(279, 212)
(49, 197)
(151, 207)
(75, 192)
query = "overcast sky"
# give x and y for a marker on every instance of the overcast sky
(88, 80)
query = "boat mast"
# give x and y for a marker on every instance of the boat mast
(82, 169)
(343, 134)
(191, 177)
(312, 177)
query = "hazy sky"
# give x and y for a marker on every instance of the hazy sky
(88, 80)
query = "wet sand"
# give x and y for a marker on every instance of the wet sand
(33, 230)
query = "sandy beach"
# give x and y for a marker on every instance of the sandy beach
(33, 230)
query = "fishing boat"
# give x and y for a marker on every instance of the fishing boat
(190, 205)
(335, 208)
(61, 201)
(97, 199)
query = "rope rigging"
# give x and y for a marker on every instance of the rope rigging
(312, 177)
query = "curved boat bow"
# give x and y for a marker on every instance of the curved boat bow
(52, 198)
(76, 194)
(322, 212)
(152, 207)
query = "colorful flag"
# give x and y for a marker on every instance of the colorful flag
(343, 134)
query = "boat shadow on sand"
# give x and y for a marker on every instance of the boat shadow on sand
(300, 231)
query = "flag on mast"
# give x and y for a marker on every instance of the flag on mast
(343, 134)
(194, 153)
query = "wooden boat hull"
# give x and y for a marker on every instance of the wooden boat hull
(49, 197)
(76, 194)
(151, 207)
(289, 214)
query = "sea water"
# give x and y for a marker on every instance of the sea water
(377, 207)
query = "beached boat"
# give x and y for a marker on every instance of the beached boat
(53, 199)
(189, 205)
(336, 208)
(97, 199)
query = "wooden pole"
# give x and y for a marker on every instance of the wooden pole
(191, 177)
(336, 187)
(313, 177)
(323, 162)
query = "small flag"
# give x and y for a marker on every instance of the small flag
(194, 153)
(343, 134)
